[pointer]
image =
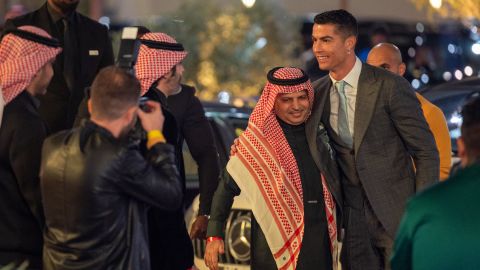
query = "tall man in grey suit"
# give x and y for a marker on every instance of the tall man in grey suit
(377, 127)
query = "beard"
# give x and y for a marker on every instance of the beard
(66, 7)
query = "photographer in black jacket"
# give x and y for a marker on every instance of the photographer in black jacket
(97, 186)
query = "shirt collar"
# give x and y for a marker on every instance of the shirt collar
(177, 91)
(353, 76)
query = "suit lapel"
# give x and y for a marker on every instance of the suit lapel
(322, 90)
(367, 93)
(83, 47)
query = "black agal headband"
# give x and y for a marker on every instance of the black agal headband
(50, 42)
(160, 45)
(271, 78)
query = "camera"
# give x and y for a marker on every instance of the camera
(142, 103)
(128, 52)
(127, 57)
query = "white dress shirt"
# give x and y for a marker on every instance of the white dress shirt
(351, 86)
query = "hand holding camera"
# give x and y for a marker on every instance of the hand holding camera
(151, 116)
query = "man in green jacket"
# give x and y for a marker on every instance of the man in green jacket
(440, 229)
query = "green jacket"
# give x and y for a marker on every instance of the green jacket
(441, 226)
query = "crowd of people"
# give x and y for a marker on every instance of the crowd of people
(95, 180)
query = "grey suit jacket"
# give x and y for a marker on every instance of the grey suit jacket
(323, 154)
(389, 131)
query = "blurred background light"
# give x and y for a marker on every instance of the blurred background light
(468, 71)
(420, 27)
(419, 40)
(224, 97)
(411, 52)
(436, 3)
(415, 83)
(476, 48)
(458, 74)
(248, 3)
(447, 75)
(425, 79)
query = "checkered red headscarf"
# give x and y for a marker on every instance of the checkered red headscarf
(263, 117)
(153, 63)
(266, 171)
(21, 59)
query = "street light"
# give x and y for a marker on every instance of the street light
(248, 3)
(436, 3)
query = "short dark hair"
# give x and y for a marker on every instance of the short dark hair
(344, 21)
(471, 126)
(113, 92)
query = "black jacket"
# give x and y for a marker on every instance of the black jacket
(21, 137)
(315, 250)
(195, 129)
(170, 247)
(96, 191)
(94, 52)
(184, 120)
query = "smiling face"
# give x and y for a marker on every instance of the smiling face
(333, 50)
(293, 108)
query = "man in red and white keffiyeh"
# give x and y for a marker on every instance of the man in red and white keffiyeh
(160, 61)
(26, 56)
(294, 224)
(21, 58)
(159, 69)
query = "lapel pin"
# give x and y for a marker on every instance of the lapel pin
(93, 52)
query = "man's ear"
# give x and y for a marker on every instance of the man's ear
(89, 106)
(350, 42)
(401, 69)
(131, 113)
(461, 151)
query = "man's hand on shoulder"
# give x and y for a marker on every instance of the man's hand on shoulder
(233, 148)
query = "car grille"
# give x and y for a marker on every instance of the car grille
(238, 239)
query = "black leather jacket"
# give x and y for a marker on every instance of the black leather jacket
(96, 192)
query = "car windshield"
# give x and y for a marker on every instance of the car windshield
(450, 98)
(449, 105)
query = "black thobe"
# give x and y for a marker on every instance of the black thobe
(315, 252)
(170, 244)
(22, 220)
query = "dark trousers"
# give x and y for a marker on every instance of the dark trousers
(366, 244)
(170, 244)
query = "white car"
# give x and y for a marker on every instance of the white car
(237, 237)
